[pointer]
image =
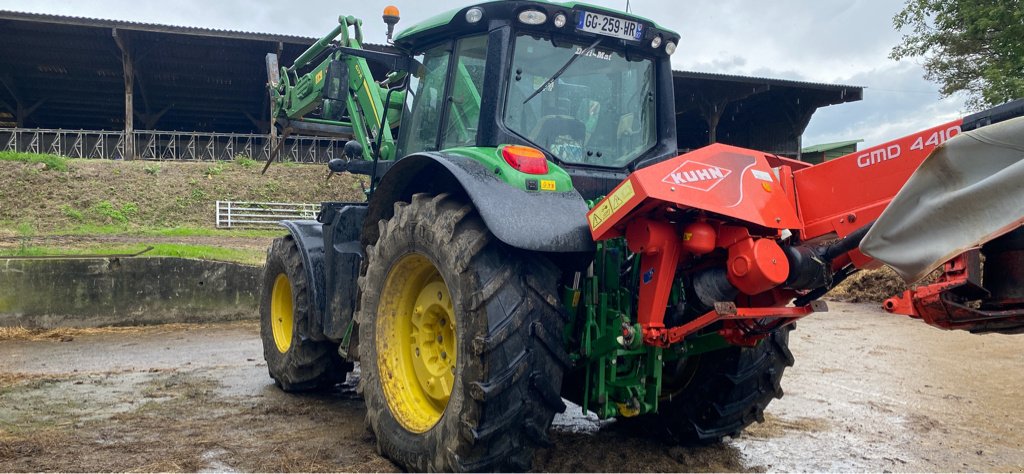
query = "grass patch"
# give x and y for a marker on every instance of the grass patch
(104, 210)
(72, 213)
(185, 231)
(206, 252)
(245, 161)
(52, 162)
(214, 170)
(204, 232)
(201, 252)
(26, 231)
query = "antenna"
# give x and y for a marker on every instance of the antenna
(627, 6)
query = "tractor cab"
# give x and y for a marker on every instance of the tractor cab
(588, 87)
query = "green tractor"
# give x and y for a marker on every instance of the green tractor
(468, 286)
(512, 253)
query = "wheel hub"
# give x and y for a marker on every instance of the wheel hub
(433, 341)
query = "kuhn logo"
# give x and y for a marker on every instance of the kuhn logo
(697, 175)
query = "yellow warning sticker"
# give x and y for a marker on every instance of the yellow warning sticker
(610, 204)
(319, 76)
(547, 185)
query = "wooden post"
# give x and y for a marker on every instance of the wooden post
(12, 109)
(712, 112)
(129, 92)
(799, 118)
(20, 111)
(129, 106)
(714, 117)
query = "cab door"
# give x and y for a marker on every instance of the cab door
(445, 92)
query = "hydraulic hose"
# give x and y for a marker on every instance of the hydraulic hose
(846, 244)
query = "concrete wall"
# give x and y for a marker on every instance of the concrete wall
(126, 291)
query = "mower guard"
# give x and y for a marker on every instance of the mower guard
(966, 193)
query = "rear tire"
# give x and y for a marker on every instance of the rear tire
(720, 393)
(295, 362)
(507, 370)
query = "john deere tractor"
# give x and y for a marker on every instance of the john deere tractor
(531, 234)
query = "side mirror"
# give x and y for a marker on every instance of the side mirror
(353, 150)
(338, 165)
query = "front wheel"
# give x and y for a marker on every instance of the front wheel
(707, 397)
(718, 394)
(295, 362)
(459, 348)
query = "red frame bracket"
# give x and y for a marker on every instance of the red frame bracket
(943, 304)
(727, 311)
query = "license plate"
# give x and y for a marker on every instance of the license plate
(610, 26)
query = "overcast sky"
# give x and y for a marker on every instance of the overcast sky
(834, 41)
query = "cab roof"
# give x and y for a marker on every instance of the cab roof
(434, 25)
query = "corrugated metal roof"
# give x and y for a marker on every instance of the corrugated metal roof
(830, 146)
(152, 27)
(214, 80)
(191, 30)
(761, 80)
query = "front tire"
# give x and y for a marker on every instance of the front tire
(295, 362)
(459, 342)
(722, 392)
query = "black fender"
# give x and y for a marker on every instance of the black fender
(331, 255)
(537, 221)
(309, 237)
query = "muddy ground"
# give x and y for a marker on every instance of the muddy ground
(869, 392)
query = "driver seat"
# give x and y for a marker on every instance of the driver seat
(551, 127)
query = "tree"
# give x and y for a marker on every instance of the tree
(970, 46)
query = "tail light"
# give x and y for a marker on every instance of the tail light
(525, 159)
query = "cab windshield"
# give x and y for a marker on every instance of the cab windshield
(600, 111)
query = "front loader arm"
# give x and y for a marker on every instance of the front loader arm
(330, 90)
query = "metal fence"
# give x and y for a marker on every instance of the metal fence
(252, 215)
(161, 145)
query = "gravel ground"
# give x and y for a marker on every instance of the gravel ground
(869, 392)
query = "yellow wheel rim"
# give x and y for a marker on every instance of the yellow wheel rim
(416, 343)
(281, 313)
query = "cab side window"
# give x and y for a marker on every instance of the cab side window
(467, 88)
(420, 131)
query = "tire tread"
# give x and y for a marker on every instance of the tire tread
(511, 401)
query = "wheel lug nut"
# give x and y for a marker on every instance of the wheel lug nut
(417, 352)
(444, 355)
(439, 339)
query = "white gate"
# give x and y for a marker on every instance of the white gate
(264, 215)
